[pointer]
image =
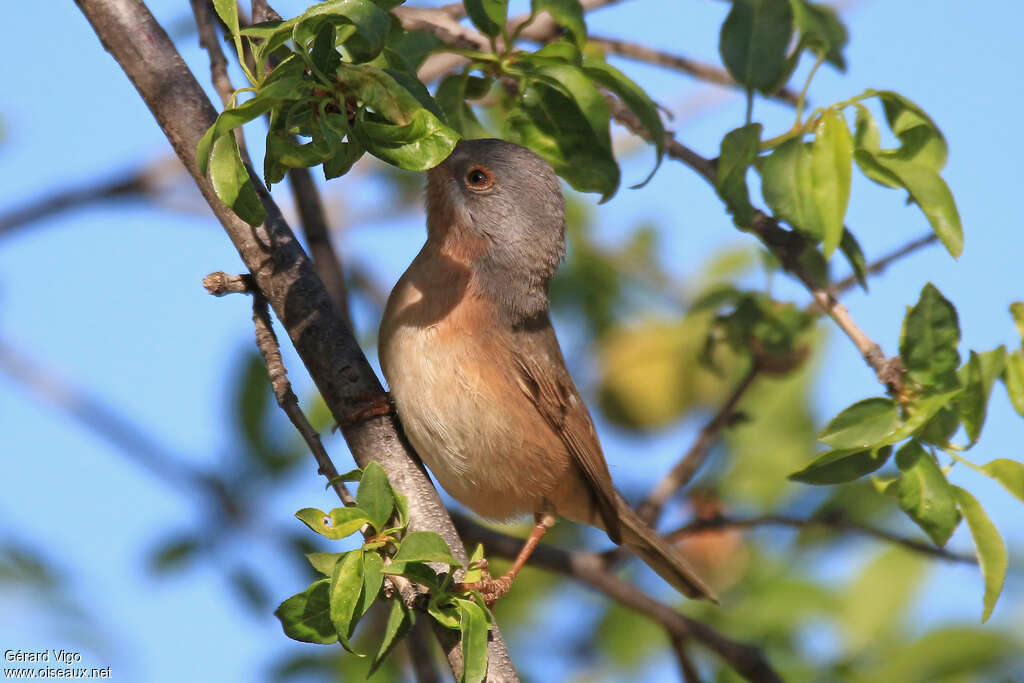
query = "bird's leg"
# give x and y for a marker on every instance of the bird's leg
(493, 589)
(366, 406)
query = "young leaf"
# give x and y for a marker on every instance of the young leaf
(855, 255)
(451, 96)
(372, 581)
(821, 30)
(346, 588)
(754, 40)
(363, 41)
(921, 140)
(920, 411)
(977, 377)
(1009, 473)
(738, 151)
(418, 145)
(400, 620)
(634, 97)
(374, 496)
(424, 546)
(867, 145)
(324, 562)
(929, 340)
(474, 573)
(341, 522)
(1013, 378)
(1017, 311)
(474, 628)
(930, 192)
(231, 181)
(989, 547)
(924, 493)
(566, 13)
(488, 16)
(227, 10)
(307, 617)
(831, 170)
(417, 572)
(863, 424)
(787, 184)
(842, 465)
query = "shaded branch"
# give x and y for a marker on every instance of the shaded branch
(836, 523)
(697, 69)
(589, 568)
(282, 272)
(685, 469)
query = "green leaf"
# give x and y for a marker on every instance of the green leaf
(400, 620)
(373, 578)
(444, 610)
(554, 126)
(928, 342)
(1013, 378)
(634, 97)
(855, 255)
(324, 562)
(754, 40)
(451, 96)
(474, 628)
(920, 411)
(419, 145)
(867, 144)
(739, 149)
(341, 522)
(489, 16)
(566, 13)
(842, 465)
(374, 496)
(1009, 473)
(307, 616)
(231, 181)
(863, 424)
(424, 546)
(787, 182)
(821, 30)
(989, 547)
(924, 493)
(474, 573)
(875, 604)
(977, 377)
(363, 41)
(227, 10)
(226, 121)
(921, 140)
(831, 170)
(930, 192)
(416, 572)
(1017, 311)
(346, 588)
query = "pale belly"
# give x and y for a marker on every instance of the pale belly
(461, 417)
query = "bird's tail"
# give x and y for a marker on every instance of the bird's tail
(659, 555)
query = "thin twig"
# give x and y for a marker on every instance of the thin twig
(589, 568)
(685, 469)
(206, 22)
(837, 524)
(881, 264)
(697, 69)
(787, 246)
(686, 666)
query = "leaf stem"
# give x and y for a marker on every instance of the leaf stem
(807, 84)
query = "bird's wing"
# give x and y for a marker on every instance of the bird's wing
(545, 380)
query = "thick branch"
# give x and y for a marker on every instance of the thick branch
(281, 270)
(749, 661)
(834, 523)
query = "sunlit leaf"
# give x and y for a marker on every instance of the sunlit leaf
(842, 465)
(346, 588)
(753, 42)
(863, 424)
(989, 547)
(924, 493)
(929, 340)
(739, 149)
(307, 615)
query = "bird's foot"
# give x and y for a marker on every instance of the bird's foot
(367, 406)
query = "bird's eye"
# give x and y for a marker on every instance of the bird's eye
(479, 178)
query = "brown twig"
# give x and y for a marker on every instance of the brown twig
(283, 273)
(787, 246)
(881, 264)
(685, 469)
(686, 666)
(834, 523)
(206, 22)
(701, 70)
(589, 568)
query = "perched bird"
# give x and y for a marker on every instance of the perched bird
(476, 373)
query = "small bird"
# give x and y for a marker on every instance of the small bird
(475, 370)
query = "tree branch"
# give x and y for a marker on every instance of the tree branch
(282, 272)
(589, 568)
(697, 69)
(881, 264)
(836, 523)
(685, 469)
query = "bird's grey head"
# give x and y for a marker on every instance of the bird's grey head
(500, 206)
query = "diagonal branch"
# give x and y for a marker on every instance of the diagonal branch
(282, 272)
(590, 568)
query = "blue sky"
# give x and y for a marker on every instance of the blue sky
(109, 296)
